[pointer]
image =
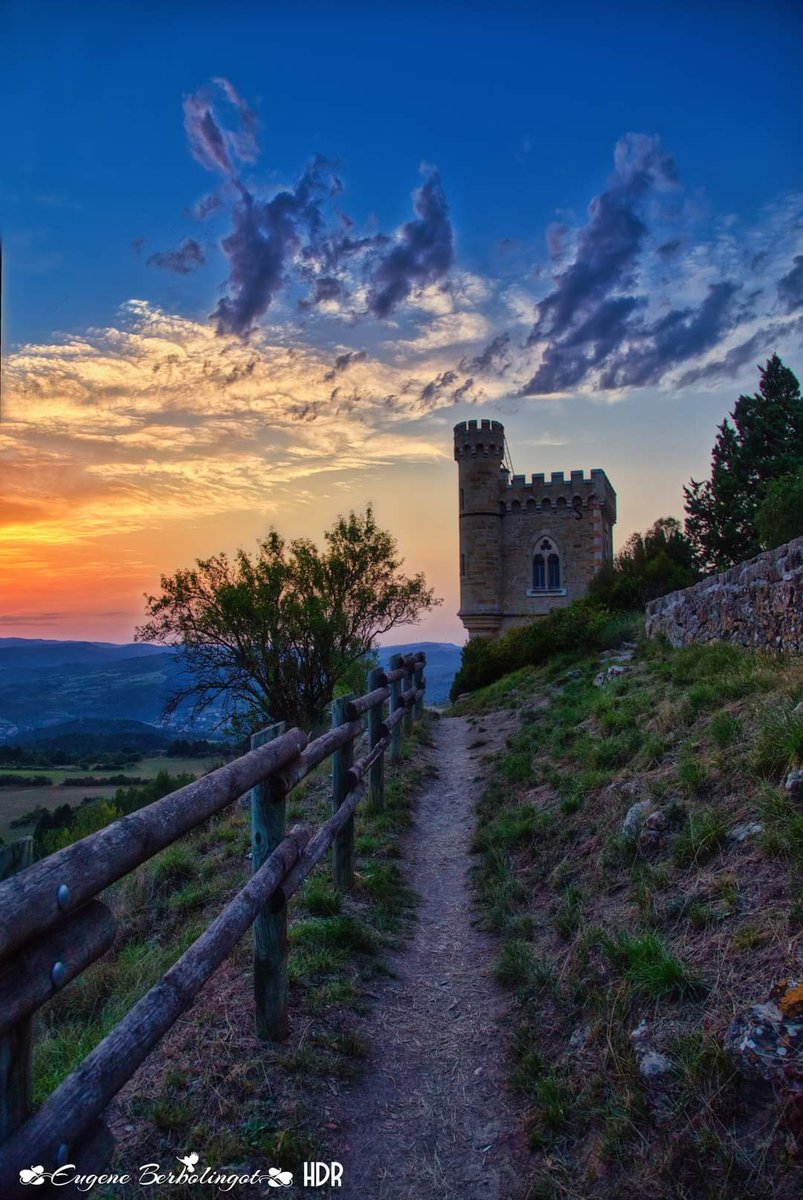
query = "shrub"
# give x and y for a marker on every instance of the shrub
(649, 566)
(582, 628)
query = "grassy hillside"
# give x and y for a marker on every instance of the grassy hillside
(629, 946)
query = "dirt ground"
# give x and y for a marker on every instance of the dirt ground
(432, 1116)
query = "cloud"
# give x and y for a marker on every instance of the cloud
(422, 253)
(585, 317)
(207, 206)
(752, 350)
(188, 257)
(647, 292)
(157, 419)
(216, 147)
(266, 238)
(343, 362)
(790, 287)
(494, 357)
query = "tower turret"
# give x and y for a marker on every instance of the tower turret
(479, 449)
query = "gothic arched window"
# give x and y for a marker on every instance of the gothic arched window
(546, 567)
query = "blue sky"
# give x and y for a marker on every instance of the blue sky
(605, 239)
(519, 106)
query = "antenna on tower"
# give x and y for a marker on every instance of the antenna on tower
(507, 460)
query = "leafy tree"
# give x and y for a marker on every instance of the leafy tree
(779, 517)
(649, 565)
(764, 441)
(268, 637)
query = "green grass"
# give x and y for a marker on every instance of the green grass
(702, 835)
(321, 898)
(783, 827)
(779, 744)
(646, 962)
(725, 729)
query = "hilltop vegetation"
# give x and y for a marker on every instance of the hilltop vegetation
(640, 861)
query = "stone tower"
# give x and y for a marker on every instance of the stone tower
(525, 547)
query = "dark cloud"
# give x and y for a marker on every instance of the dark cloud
(188, 257)
(752, 350)
(790, 287)
(423, 251)
(493, 358)
(206, 206)
(593, 321)
(298, 235)
(731, 362)
(215, 146)
(674, 338)
(442, 388)
(669, 249)
(266, 237)
(343, 362)
(557, 238)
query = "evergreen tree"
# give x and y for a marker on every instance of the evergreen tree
(765, 440)
(780, 514)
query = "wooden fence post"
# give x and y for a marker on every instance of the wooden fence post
(395, 702)
(418, 677)
(377, 775)
(408, 683)
(343, 845)
(15, 1046)
(268, 827)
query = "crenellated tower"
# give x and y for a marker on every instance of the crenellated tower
(479, 450)
(526, 546)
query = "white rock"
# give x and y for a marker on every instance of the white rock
(653, 1065)
(634, 817)
(740, 833)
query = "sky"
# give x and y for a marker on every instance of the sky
(259, 258)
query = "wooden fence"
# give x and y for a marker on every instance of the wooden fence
(52, 927)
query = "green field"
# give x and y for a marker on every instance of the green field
(15, 802)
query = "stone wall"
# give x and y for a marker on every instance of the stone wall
(758, 603)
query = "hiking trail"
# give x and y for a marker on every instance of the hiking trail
(432, 1116)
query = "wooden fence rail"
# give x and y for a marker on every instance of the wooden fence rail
(52, 928)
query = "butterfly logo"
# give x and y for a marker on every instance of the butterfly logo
(33, 1175)
(189, 1161)
(277, 1178)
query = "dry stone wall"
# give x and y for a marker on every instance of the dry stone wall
(757, 603)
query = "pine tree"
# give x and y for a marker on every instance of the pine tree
(764, 441)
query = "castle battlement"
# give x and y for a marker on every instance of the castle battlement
(527, 545)
(538, 491)
(479, 438)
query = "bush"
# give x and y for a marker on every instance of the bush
(650, 565)
(582, 628)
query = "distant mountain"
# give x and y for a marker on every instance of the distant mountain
(30, 653)
(443, 660)
(45, 686)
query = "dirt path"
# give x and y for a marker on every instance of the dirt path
(432, 1117)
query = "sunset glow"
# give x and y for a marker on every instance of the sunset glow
(137, 434)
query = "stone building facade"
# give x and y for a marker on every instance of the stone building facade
(526, 546)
